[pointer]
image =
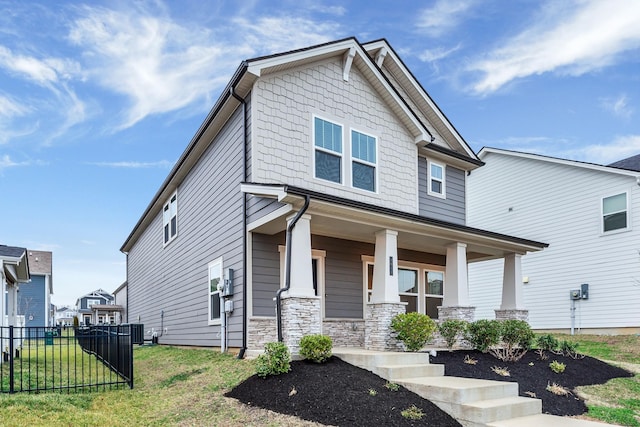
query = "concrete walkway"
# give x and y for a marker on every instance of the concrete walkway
(473, 402)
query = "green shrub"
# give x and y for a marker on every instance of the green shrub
(547, 342)
(557, 367)
(414, 329)
(316, 348)
(517, 333)
(276, 360)
(568, 347)
(483, 334)
(450, 329)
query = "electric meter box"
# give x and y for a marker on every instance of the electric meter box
(227, 289)
(575, 294)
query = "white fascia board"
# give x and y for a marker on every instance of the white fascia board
(271, 191)
(591, 166)
(256, 67)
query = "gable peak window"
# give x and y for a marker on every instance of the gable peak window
(328, 150)
(170, 219)
(614, 212)
(436, 179)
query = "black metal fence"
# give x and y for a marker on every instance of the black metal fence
(37, 359)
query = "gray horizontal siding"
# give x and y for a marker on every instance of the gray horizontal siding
(343, 276)
(172, 281)
(452, 208)
(257, 207)
(265, 272)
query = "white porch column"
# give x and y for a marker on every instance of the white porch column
(12, 309)
(301, 266)
(456, 285)
(512, 306)
(455, 304)
(385, 268)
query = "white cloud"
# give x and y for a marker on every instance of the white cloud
(569, 38)
(443, 16)
(44, 72)
(618, 106)
(159, 65)
(165, 164)
(11, 108)
(6, 162)
(271, 34)
(620, 148)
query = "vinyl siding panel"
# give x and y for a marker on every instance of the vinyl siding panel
(452, 208)
(561, 205)
(168, 286)
(257, 207)
(266, 272)
(32, 301)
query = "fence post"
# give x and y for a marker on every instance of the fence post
(130, 345)
(11, 368)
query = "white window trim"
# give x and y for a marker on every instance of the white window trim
(316, 254)
(618, 230)
(209, 293)
(165, 223)
(422, 269)
(442, 195)
(324, 150)
(364, 162)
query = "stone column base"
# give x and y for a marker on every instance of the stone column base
(377, 326)
(512, 314)
(300, 317)
(456, 312)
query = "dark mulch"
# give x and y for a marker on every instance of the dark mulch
(336, 393)
(533, 375)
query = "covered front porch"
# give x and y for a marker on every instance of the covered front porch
(346, 268)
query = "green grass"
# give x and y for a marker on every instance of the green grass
(173, 386)
(618, 400)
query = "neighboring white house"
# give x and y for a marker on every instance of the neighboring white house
(590, 216)
(65, 315)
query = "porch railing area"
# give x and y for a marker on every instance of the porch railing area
(36, 359)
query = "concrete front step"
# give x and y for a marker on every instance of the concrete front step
(486, 411)
(543, 420)
(459, 390)
(368, 359)
(398, 372)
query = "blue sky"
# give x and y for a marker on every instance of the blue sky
(98, 99)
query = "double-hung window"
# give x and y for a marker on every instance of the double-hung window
(363, 161)
(328, 150)
(434, 291)
(170, 219)
(215, 279)
(436, 178)
(614, 212)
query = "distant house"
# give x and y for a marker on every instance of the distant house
(324, 193)
(120, 298)
(64, 316)
(34, 297)
(98, 307)
(590, 216)
(14, 272)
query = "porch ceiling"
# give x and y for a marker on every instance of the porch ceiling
(350, 223)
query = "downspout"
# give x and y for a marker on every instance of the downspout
(287, 265)
(244, 223)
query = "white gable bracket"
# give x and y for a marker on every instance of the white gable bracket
(347, 60)
(423, 138)
(382, 53)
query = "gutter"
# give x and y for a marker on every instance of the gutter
(244, 223)
(287, 265)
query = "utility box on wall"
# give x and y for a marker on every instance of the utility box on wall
(584, 291)
(575, 294)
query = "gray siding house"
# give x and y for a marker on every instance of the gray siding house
(34, 297)
(324, 193)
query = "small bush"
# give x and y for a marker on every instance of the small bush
(392, 386)
(413, 413)
(568, 347)
(414, 329)
(557, 367)
(503, 372)
(451, 329)
(516, 339)
(276, 360)
(547, 342)
(316, 348)
(483, 333)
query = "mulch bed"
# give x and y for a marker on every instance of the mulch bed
(338, 394)
(533, 375)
